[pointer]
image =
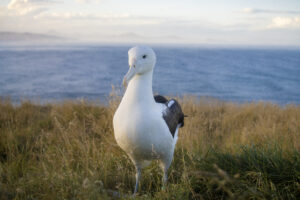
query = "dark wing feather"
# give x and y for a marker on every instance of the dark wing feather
(160, 99)
(173, 114)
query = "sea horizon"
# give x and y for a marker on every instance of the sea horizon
(238, 73)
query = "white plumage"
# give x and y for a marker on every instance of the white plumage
(139, 127)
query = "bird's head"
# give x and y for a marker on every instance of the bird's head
(141, 60)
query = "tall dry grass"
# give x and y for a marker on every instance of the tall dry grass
(225, 151)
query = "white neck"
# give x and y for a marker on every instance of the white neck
(139, 90)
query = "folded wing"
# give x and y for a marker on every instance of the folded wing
(172, 114)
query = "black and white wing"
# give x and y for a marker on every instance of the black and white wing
(172, 114)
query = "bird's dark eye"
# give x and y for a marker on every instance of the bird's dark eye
(144, 56)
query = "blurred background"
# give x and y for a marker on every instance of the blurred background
(237, 51)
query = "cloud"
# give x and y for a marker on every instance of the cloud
(111, 19)
(285, 22)
(268, 11)
(29, 7)
(81, 15)
(88, 1)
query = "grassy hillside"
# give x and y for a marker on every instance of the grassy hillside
(225, 151)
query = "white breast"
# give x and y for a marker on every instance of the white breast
(141, 131)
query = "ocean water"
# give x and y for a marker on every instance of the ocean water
(50, 73)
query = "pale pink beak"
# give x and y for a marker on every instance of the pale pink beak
(130, 74)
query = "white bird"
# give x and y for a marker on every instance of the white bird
(146, 127)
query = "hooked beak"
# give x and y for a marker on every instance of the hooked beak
(128, 76)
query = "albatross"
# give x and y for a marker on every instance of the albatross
(146, 126)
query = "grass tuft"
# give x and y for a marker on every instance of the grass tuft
(225, 151)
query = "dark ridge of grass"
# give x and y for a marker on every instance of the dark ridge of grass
(254, 172)
(225, 151)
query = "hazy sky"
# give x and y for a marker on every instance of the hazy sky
(257, 22)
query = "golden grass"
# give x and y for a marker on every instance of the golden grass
(225, 151)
